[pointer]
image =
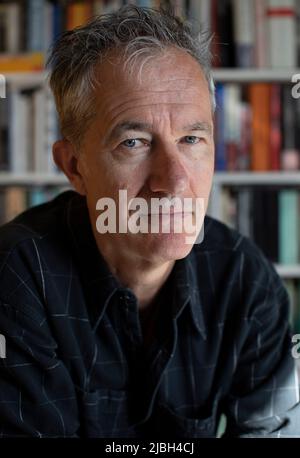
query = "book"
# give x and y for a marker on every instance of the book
(14, 202)
(4, 131)
(35, 25)
(78, 13)
(232, 124)
(264, 218)
(290, 154)
(244, 211)
(260, 35)
(288, 226)
(259, 96)
(281, 23)
(220, 147)
(244, 36)
(29, 62)
(275, 127)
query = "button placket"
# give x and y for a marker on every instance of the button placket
(132, 325)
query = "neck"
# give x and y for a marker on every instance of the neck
(144, 281)
(144, 278)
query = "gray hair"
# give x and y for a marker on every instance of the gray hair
(138, 32)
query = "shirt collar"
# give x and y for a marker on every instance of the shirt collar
(100, 284)
(186, 291)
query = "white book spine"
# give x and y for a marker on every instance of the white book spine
(40, 141)
(48, 24)
(261, 43)
(111, 6)
(13, 28)
(51, 130)
(200, 11)
(244, 31)
(97, 7)
(282, 37)
(232, 115)
(17, 133)
(180, 8)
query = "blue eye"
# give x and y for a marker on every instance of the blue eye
(132, 143)
(192, 139)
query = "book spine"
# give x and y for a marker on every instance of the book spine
(13, 28)
(29, 62)
(281, 16)
(288, 226)
(220, 129)
(40, 162)
(78, 14)
(259, 96)
(244, 157)
(18, 162)
(4, 131)
(232, 124)
(244, 208)
(35, 25)
(243, 18)
(52, 133)
(199, 12)
(58, 20)
(260, 52)
(289, 154)
(15, 202)
(275, 128)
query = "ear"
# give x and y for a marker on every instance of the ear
(66, 159)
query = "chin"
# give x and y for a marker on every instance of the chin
(166, 247)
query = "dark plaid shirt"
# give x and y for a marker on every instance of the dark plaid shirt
(77, 363)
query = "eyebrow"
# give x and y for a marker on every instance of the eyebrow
(203, 126)
(139, 126)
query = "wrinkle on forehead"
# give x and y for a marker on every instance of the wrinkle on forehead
(123, 100)
(170, 90)
(156, 69)
(169, 86)
(159, 104)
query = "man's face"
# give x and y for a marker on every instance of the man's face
(153, 137)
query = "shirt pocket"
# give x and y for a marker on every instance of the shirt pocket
(105, 414)
(170, 423)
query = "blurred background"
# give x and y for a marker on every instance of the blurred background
(256, 59)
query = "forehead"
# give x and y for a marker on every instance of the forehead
(173, 71)
(168, 90)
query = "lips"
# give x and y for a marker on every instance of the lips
(169, 213)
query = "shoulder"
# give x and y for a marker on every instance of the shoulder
(36, 222)
(228, 245)
(236, 269)
(29, 245)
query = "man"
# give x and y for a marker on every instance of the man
(135, 333)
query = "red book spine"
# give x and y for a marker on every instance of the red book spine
(275, 130)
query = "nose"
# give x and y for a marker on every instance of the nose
(168, 173)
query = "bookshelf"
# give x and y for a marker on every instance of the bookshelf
(220, 178)
(291, 271)
(32, 179)
(25, 78)
(246, 75)
(250, 179)
(257, 178)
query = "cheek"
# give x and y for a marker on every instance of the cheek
(128, 177)
(107, 179)
(201, 179)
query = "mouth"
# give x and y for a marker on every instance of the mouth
(169, 213)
